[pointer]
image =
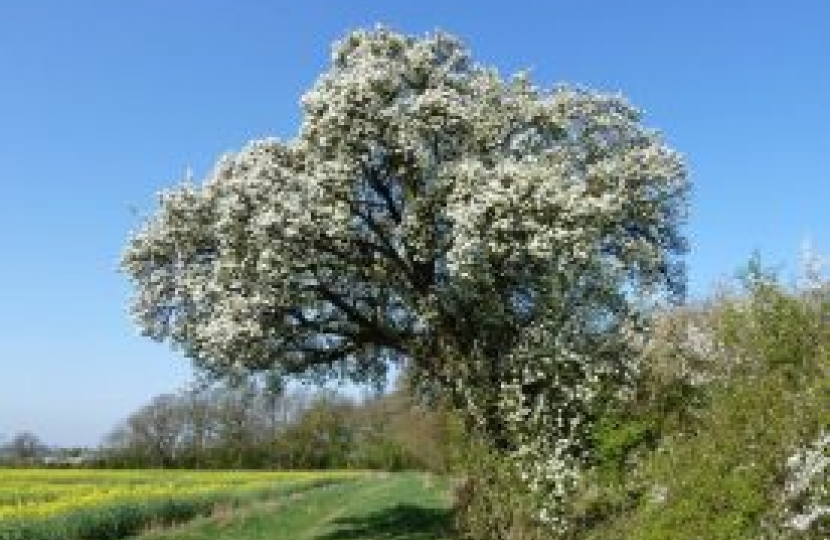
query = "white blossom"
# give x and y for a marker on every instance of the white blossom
(807, 491)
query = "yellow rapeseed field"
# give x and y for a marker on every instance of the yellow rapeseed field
(39, 494)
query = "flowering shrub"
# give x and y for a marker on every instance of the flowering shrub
(502, 241)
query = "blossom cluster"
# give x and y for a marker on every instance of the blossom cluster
(807, 491)
(560, 371)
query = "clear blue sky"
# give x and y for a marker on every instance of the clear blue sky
(103, 103)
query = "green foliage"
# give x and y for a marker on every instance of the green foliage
(756, 368)
(770, 328)
(615, 440)
(721, 482)
(492, 502)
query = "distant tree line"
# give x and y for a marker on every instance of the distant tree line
(251, 426)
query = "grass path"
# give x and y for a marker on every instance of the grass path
(383, 507)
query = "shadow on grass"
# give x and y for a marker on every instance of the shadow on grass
(401, 522)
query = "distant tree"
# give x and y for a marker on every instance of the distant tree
(240, 422)
(153, 434)
(501, 240)
(26, 446)
(320, 436)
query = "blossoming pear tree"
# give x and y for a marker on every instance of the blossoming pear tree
(501, 241)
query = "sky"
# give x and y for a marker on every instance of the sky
(103, 104)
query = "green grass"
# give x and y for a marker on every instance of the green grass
(403, 506)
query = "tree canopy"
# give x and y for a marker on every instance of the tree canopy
(420, 183)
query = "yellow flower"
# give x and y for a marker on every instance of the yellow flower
(41, 493)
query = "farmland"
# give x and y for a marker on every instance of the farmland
(37, 504)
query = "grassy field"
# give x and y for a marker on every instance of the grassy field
(109, 505)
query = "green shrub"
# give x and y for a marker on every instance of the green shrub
(492, 502)
(763, 393)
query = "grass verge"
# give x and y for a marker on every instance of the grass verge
(404, 506)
